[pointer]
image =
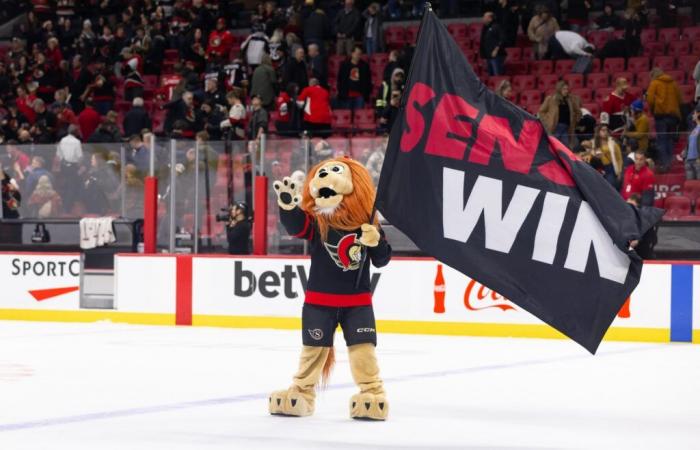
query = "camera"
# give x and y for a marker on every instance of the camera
(225, 214)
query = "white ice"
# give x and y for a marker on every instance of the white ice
(104, 386)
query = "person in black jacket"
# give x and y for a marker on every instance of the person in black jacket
(492, 47)
(348, 23)
(295, 70)
(137, 118)
(238, 230)
(317, 28)
(354, 81)
(508, 16)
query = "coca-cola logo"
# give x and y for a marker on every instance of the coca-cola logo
(478, 297)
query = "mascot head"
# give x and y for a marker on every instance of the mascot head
(339, 192)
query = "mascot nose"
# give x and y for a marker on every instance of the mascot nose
(322, 174)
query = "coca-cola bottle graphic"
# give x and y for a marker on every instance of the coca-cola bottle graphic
(439, 291)
(624, 312)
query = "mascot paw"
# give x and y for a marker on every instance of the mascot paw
(369, 407)
(289, 403)
(370, 235)
(287, 193)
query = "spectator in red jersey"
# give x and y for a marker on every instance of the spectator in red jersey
(354, 81)
(617, 104)
(315, 101)
(220, 41)
(88, 120)
(287, 122)
(25, 103)
(639, 179)
(236, 115)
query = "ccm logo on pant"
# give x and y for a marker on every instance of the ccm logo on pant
(366, 330)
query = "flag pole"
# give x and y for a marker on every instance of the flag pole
(428, 9)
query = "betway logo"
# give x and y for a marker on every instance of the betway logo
(272, 284)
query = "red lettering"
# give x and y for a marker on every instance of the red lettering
(559, 170)
(448, 124)
(517, 155)
(415, 124)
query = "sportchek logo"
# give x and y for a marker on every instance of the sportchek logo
(30, 269)
(275, 283)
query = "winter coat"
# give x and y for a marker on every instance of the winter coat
(539, 32)
(549, 113)
(377, 32)
(136, 120)
(664, 97)
(348, 22)
(263, 84)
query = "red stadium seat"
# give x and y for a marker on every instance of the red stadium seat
(666, 63)
(635, 91)
(575, 80)
(652, 49)
(411, 34)
(669, 34)
(593, 108)
(677, 206)
(647, 35)
(691, 34)
(394, 36)
(364, 119)
(690, 218)
(532, 108)
(585, 94)
(459, 31)
(122, 106)
(523, 82)
(528, 54)
(474, 32)
(643, 79)
(678, 48)
(334, 62)
(677, 75)
(597, 80)
(342, 119)
(598, 38)
(172, 54)
(688, 93)
(638, 64)
(563, 66)
(514, 54)
(541, 67)
(531, 96)
(547, 82)
(691, 188)
(627, 75)
(614, 65)
(687, 63)
(493, 82)
(517, 68)
(602, 93)
(378, 60)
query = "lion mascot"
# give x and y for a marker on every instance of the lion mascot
(332, 211)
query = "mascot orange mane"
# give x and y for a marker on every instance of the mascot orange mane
(332, 211)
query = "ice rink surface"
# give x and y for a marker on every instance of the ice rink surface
(107, 386)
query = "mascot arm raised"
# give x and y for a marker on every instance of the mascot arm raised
(295, 220)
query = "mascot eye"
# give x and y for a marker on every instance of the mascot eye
(337, 169)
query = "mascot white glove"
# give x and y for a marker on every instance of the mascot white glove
(370, 235)
(288, 193)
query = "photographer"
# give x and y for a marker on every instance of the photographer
(237, 229)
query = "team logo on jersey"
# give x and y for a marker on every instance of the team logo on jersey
(316, 334)
(347, 253)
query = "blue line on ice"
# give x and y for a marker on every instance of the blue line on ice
(128, 412)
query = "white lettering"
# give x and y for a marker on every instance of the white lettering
(486, 196)
(548, 229)
(613, 264)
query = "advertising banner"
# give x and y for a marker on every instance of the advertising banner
(39, 281)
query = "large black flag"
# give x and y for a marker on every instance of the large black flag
(477, 183)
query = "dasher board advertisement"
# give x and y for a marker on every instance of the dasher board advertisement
(39, 281)
(406, 289)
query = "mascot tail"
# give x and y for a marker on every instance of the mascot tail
(328, 367)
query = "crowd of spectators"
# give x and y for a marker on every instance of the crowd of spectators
(119, 71)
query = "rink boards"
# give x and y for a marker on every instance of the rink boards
(268, 292)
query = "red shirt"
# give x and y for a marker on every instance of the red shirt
(317, 108)
(616, 105)
(636, 182)
(220, 43)
(282, 107)
(25, 106)
(88, 120)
